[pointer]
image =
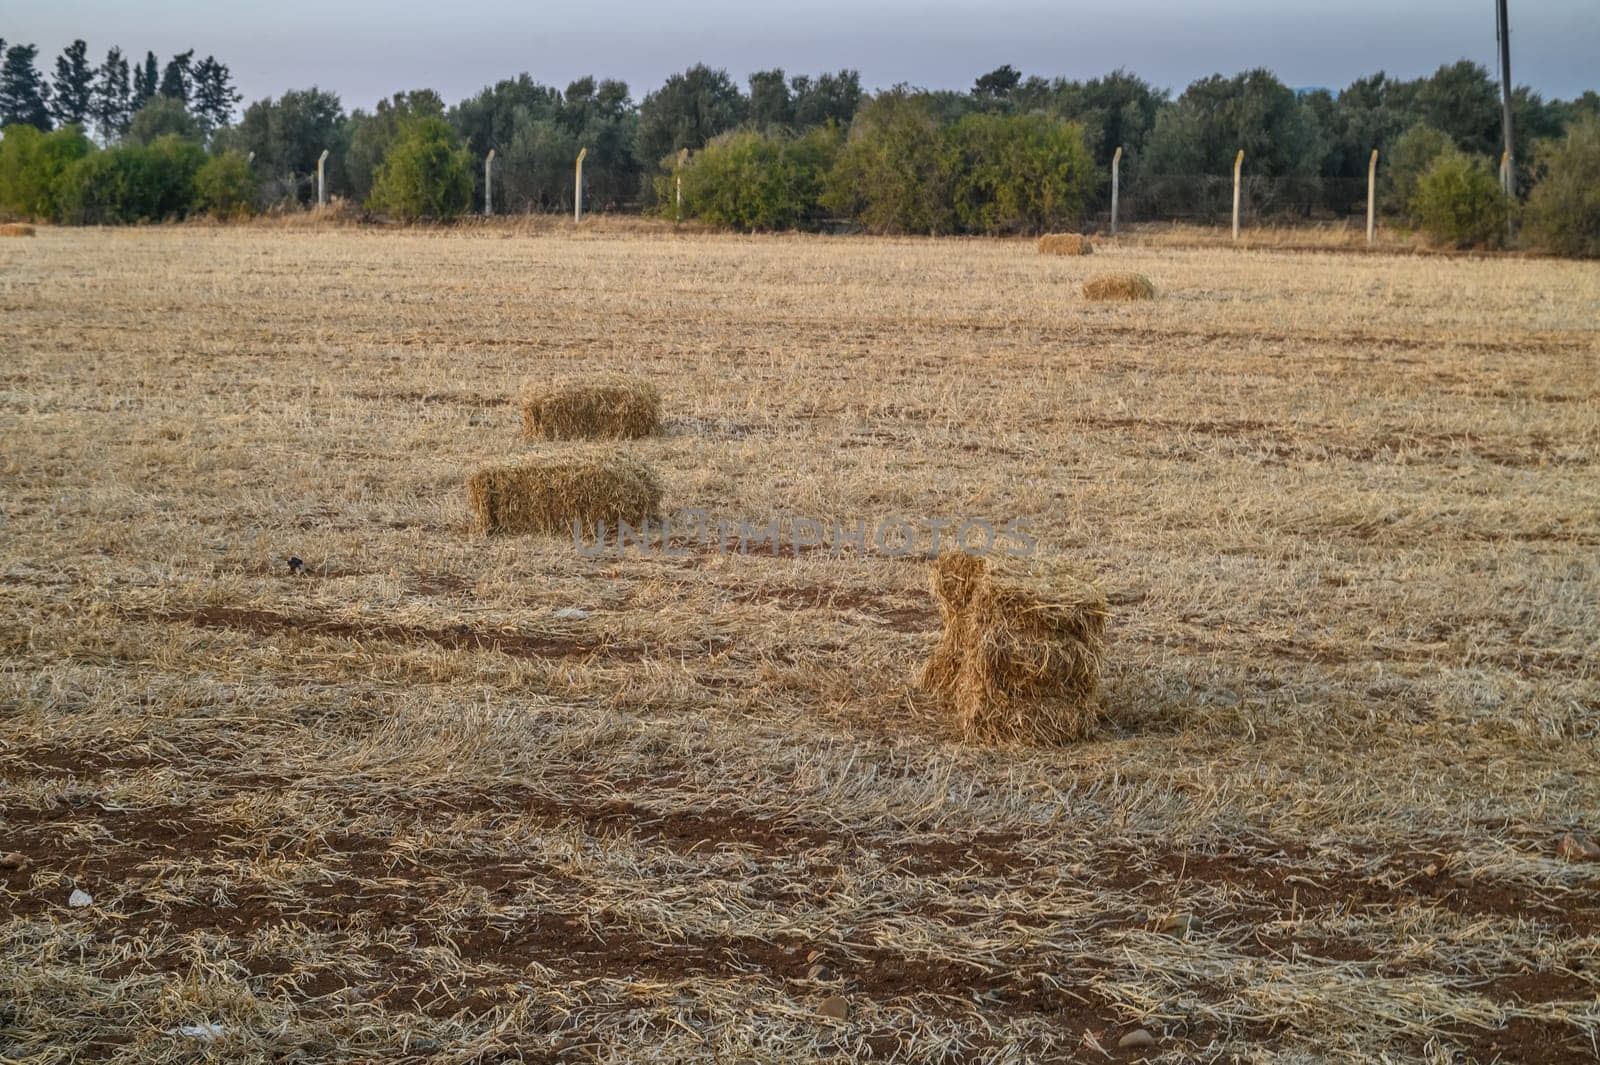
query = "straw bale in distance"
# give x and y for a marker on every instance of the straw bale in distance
(590, 408)
(1019, 658)
(1065, 244)
(1119, 287)
(16, 229)
(551, 495)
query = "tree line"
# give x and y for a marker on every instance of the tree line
(1012, 154)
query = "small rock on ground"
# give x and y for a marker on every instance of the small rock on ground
(1139, 1037)
(836, 1007)
(572, 613)
(12, 860)
(1578, 847)
(79, 899)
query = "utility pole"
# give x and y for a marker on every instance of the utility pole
(1503, 34)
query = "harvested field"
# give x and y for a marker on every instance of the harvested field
(430, 795)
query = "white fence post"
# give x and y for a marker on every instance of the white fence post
(249, 158)
(488, 184)
(1372, 198)
(322, 181)
(1116, 170)
(577, 188)
(1238, 161)
(683, 157)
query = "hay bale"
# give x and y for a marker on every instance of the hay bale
(1119, 287)
(16, 229)
(551, 495)
(590, 408)
(1065, 244)
(1019, 657)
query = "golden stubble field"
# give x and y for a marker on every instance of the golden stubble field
(1345, 507)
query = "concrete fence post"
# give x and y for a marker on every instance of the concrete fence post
(1116, 171)
(577, 188)
(1372, 198)
(322, 180)
(488, 184)
(683, 157)
(1238, 161)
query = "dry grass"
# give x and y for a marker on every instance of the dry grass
(607, 407)
(402, 805)
(1065, 244)
(1120, 286)
(1019, 655)
(16, 229)
(564, 495)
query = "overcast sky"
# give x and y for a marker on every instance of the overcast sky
(365, 49)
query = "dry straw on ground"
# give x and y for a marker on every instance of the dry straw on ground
(16, 229)
(590, 408)
(1019, 657)
(1119, 287)
(551, 495)
(1065, 244)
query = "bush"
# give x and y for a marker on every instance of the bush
(224, 186)
(1017, 173)
(755, 181)
(31, 164)
(888, 175)
(1564, 207)
(1459, 201)
(425, 174)
(1412, 153)
(133, 183)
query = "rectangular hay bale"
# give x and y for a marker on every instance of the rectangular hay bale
(550, 496)
(1019, 657)
(606, 407)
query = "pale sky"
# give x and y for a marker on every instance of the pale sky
(367, 49)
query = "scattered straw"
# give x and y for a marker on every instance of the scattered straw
(16, 229)
(1019, 657)
(1119, 287)
(575, 408)
(549, 496)
(1065, 244)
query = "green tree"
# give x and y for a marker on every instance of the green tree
(1463, 101)
(1459, 201)
(369, 137)
(1117, 110)
(24, 97)
(175, 79)
(688, 111)
(213, 97)
(73, 90)
(998, 84)
(146, 79)
(113, 97)
(1412, 153)
(1217, 116)
(31, 162)
(224, 186)
(425, 174)
(287, 135)
(825, 98)
(1017, 173)
(1564, 206)
(770, 106)
(164, 116)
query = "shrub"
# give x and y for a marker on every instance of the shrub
(1407, 160)
(225, 186)
(756, 181)
(31, 163)
(425, 173)
(1564, 207)
(1459, 202)
(888, 175)
(133, 183)
(1017, 173)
